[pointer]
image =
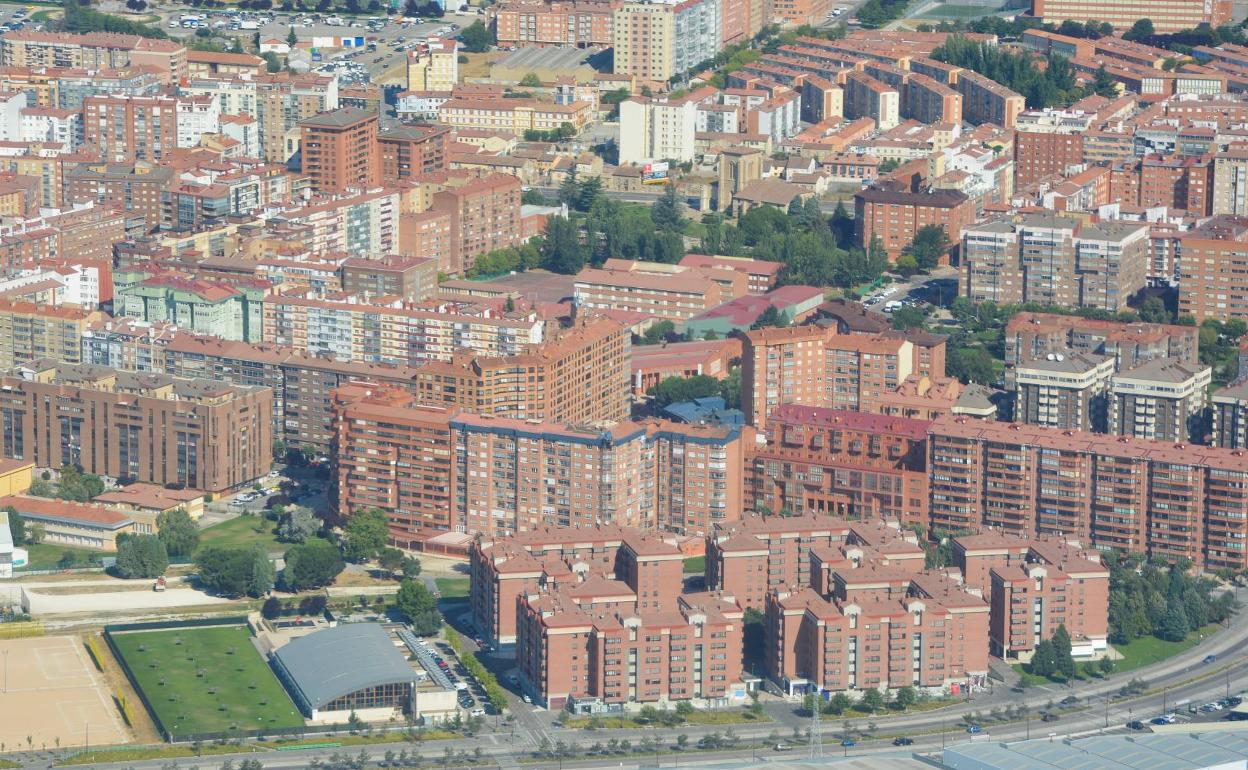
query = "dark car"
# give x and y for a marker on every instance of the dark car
(1210, 658)
(1135, 724)
(903, 741)
(1069, 700)
(849, 743)
(1050, 717)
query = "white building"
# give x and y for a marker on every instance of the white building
(697, 34)
(245, 130)
(11, 105)
(197, 115)
(79, 284)
(420, 105)
(657, 129)
(50, 124)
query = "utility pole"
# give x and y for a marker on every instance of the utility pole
(1228, 682)
(1106, 711)
(816, 733)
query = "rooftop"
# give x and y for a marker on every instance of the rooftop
(314, 662)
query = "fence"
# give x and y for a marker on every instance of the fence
(21, 630)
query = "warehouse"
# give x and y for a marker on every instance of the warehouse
(353, 667)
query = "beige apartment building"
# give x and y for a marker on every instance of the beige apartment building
(1230, 416)
(1213, 280)
(433, 65)
(1230, 182)
(1063, 391)
(1162, 400)
(645, 36)
(29, 330)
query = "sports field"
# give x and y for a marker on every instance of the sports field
(50, 691)
(206, 680)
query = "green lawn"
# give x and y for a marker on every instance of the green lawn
(204, 680)
(452, 588)
(722, 717)
(695, 565)
(140, 753)
(1148, 650)
(958, 12)
(48, 556)
(242, 531)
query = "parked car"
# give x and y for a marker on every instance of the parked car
(1050, 717)
(974, 729)
(1135, 724)
(783, 747)
(1210, 658)
(1069, 700)
(849, 743)
(903, 741)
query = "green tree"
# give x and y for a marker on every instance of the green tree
(1153, 310)
(1140, 31)
(1104, 84)
(243, 571)
(17, 526)
(1063, 657)
(665, 213)
(1043, 659)
(291, 38)
(906, 697)
(141, 556)
(561, 248)
(887, 166)
(477, 38)
(676, 389)
(589, 194)
(909, 317)
(684, 709)
(390, 559)
(1174, 626)
(771, 317)
(367, 532)
(312, 564)
(930, 243)
(658, 332)
(531, 80)
(272, 62)
(838, 704)
(178, 532)
(297, 524)
(419, 606)
(970, 365)
(872, 700)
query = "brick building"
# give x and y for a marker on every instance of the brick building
(408, 151)
(1213, 279)
(29, 330)
(540, 22)
(153, 428)
(896, 215)
(129, 128)
(1033, 336)
(340, 150)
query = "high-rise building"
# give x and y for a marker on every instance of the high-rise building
(554, 22)
(1063, 391)
(1170, 17)
(1033, 336)
(154, 428)
(644, 37)
(1174, 501)
(1230, 182)
(1055, 260)
(1162, 400)
(433, 65)
(1230, 416)
(129, 128)
(29, 330)
(895, 216)
(340, 150)
(408, 151)
(657, 129)
(1213, 270)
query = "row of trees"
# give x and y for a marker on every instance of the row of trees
(871, 701)
(1050, 85)
(1148, 597)
(78, 18)
(71, 484)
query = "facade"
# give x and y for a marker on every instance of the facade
(987, 101)
(657, 129)
(644, 36)
(896, 216)
(1230, 182)
(866, 97)
(1175, 501)
(697, 34)
(514, 115)
(409, 151)
(1055, 260)
(1230, 416)
(28, 329)
(541, 22)
(433, 65)
(229, 311)
(1161, 400)
(152, 428)
(340, 150)
(1213, 270)
(1176, 16)
(842, 463)
(79, 525)
(412, 278)
(1033, 336)
(1061, 391)
(129, 128)
(672, 294)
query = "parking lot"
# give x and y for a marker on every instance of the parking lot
(444, 667)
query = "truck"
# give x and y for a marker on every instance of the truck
(249, 25)
(160, 584)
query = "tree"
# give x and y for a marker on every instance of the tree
(561, 248)
(1063, 658)
(272, 608)
(419, 606)
(588, 194)
(930, 243)
(970, 365)
(390, 559)
(235, 571)
(1140, 31)
(909, 317)
(1104, 84)
(906, 697)
(771, 317)
(410, 567)
(658, 332)
(291, 38)
(17, 526)
(272, 62)
(684, 709)
(677, 389)
(312, 564)
(665, 213)
(1153, 310)
(531, 80)
(366, 534)
(887, 166)
(141, 556)
(1173, 627)
(297, 524)
(838, 703)
(178, 532)
(872, 700)
(1106, 665)
(1043, 659)
(477, 38)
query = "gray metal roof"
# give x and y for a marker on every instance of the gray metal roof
(329, 664)
(1172, 751)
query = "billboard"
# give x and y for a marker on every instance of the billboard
(654, 173)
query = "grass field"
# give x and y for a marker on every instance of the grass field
(242, 531)
(206, 680)
(452, 588)
(48, 556)
(958, 12)
(1148, 650)
(695, 565)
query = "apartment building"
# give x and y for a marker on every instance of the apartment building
(1175, 501)
(410, 278)
(545, 23)
(1055, 260)
(1161, 400)
(231, 311)
(866, 97)
(987, 101)
(800, 12)
(409, 151)
(1063, 391)
(1213, 270)
(1036, 585)
(930, 101)
(590, 648)
(842, 463)
(1172, 17)
(1230, 416)
(921, 630)
(92, 51)
(648, 566)
(578, 375)
(697, 34)
(1032, 336)
(136, 188)
(340, 150)
(129, 128)
(1230, 182)
(644, 36)
(763, 275)
(433, 65)
(481, 213)
(153, 428)
(656, 129)
(29, 330)
(896, 215)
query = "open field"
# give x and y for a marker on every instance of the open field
(206, 680)
(54, 694)
(958, 12)
(452, 588)
(242, 531)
